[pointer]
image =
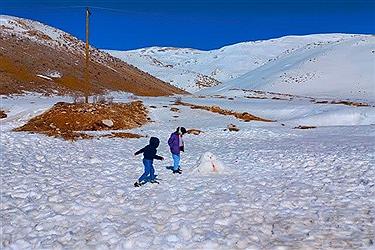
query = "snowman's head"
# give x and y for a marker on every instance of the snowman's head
(209, 156)
(209, 163)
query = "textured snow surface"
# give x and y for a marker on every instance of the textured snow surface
(299, 189)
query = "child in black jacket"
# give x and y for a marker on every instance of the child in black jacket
(149, 154)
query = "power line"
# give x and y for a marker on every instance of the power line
(76, 7)
(82, 7)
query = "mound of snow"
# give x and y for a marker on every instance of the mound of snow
(209, 163)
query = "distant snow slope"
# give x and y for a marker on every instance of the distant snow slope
(193, 69)
(343, 69)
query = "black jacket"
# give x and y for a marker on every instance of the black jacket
(149, 152)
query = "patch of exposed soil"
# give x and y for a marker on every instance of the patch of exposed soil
(304, 127)
(194, 131)
(343, 102)
(2, 114)
(123, 135)
(233, 127)
(320, 102)
(173, 109)
(350, 103)
(67, 119)
(204, 81)
(216, 109)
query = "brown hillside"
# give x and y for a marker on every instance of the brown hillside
(27, 52)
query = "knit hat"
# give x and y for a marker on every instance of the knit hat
(181, 130)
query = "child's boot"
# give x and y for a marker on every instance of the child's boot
(178, 171)
(137, 184)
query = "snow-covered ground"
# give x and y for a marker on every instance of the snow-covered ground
(295, 112)
(281, 187)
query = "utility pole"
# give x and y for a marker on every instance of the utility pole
(87, 50)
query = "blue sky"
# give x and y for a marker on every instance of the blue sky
(204, 24)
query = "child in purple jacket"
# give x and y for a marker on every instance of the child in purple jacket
(176, 145)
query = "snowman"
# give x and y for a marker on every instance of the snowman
(209, 163)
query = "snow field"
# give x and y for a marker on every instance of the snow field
(295, 112)
(287, 188)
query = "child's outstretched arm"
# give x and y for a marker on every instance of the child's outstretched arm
(158, 157)
(140, 151)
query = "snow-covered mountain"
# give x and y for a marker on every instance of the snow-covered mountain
(343, 69)
(335, 65)
(182, 66)
(37, 57)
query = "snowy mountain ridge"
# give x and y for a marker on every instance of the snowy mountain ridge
(343, 69)
(319, 65)
(180, 66)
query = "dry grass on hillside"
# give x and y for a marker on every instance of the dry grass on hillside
(23, 59)
(245, 116)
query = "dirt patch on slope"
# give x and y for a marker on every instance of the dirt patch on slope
(125, 135)
(204, 81)
(245, 116)
(304, 127)
(3, 114)
(67, 119)
(194, 131)
(351, 103)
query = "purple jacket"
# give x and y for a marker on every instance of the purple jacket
(174, 143)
